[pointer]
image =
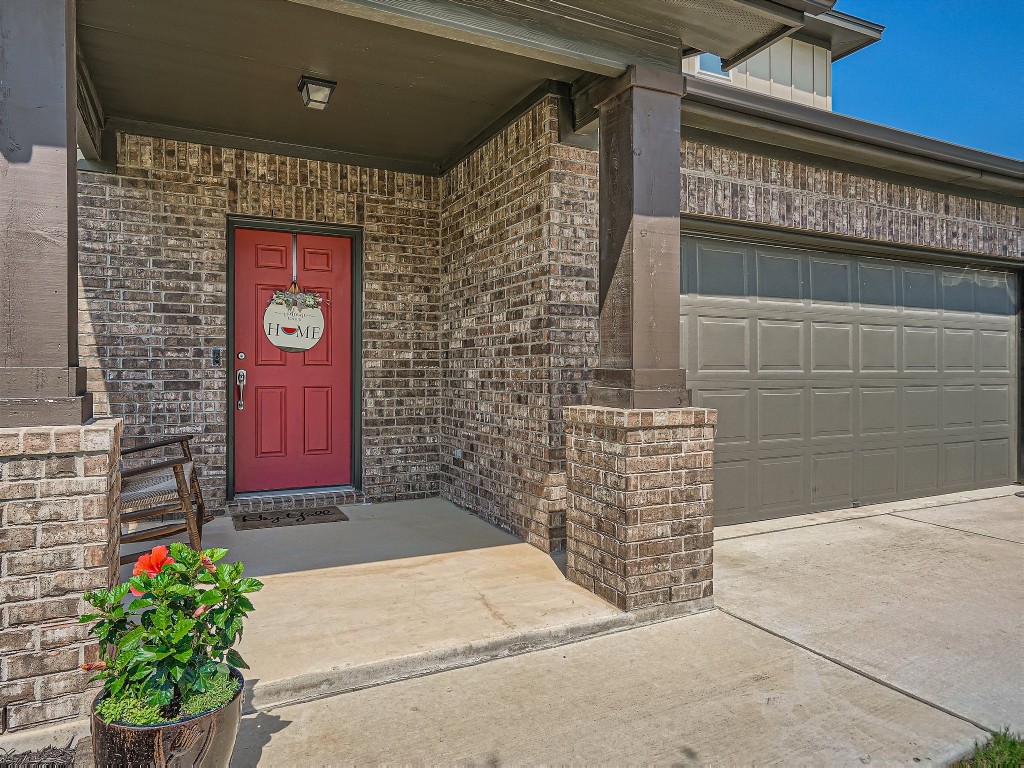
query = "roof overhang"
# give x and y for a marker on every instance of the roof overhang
(841, 33)
(598, 36)
(418, 80)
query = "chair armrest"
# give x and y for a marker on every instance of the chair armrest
(157, 444)
(157, 467)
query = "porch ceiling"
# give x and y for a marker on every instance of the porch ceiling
(231, 67)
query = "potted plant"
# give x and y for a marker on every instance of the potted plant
(171, 686)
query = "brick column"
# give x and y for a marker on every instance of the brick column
(59, 505)
(639, 522)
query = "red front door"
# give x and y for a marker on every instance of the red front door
(294, 429)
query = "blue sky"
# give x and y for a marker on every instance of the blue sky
(949, 69)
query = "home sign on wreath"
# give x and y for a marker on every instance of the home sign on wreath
(294, 321)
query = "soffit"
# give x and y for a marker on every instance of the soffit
(232, 66)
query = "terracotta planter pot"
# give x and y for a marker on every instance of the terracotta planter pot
(205, 740)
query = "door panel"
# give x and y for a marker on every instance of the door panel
(295, 430)
(847, 380)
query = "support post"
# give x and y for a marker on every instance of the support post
(40, 381)
(639, 242)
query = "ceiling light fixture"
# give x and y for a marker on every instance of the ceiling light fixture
(315, 92)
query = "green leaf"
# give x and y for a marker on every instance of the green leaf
(89, 617)
(184, 656)
(215, 554)
(235, 660)
(211, 597)
(118, 593)
(161, 618)
(237, 569)
(181, 629)
(139, 603)
(250, 585)
(131, 637)
(244, 603)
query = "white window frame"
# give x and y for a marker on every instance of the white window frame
(706, 73)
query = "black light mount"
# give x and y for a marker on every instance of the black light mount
(315, 91)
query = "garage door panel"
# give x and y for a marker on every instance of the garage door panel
(958, 290)
(995, 295)
(878, 474)
(831, 347)
(959, 465)
(879, 348)
(848, 380)
(723, 344)
(994, 405)
(920, 288)
(879, 412)
(920, 468)
(995, 351)
(995, 460)
(781, 482)
(721, 271)
(734, 415)
(779, 276)
(920, 408)
(780, 345)
(958, 404)
(780, 414)
(877, 284)
(832, 479)
(958, 349)
(831, 280)
(734, 478)
(920, 349)
(832, 412)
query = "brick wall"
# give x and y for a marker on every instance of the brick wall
(737, 185)
(640, 511)
(59, 539)
(519, 292)
(153, 295)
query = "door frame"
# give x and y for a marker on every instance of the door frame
(302, 228)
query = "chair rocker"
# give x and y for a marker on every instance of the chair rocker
(165, 487)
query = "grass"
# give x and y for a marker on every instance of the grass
(1003, 750)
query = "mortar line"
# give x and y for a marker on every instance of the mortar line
(959, 530)
(859, 672)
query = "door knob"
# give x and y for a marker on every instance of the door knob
(240, 378)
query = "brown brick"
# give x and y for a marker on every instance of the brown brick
(19, 614)
(54, 585)
(14, 590)
(61, 635)
(42, 561)
(21, 716)
(12, 640)
(17, 690)
(41, 510)
(36, 663)
(17, 539)
(60, 534)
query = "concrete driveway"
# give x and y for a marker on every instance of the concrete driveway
(928, 601)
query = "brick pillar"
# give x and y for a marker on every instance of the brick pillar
(639, 523)
(59, 506)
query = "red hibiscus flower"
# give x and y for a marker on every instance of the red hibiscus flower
(151, 563)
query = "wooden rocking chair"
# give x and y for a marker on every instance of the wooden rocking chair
(165, 487)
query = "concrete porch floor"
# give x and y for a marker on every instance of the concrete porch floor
(398, 590)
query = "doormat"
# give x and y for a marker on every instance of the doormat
(279, 518)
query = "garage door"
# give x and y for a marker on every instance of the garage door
(844, 381)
